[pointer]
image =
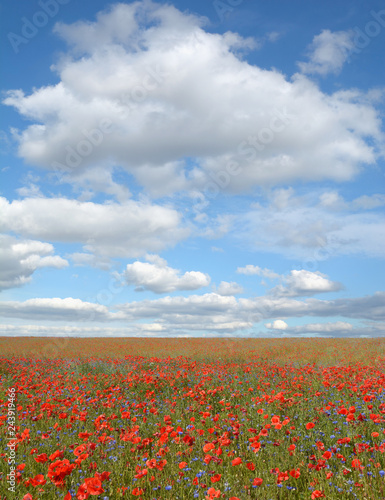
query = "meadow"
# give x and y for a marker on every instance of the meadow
(173, 419)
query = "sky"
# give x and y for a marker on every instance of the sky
(192, 169)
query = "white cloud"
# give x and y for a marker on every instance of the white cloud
(209, 312)
(19, 259)
(217, 227)
(370, 307)
(29, 191)
(369, 202)
(65, 331)
(56, 309)
(89, 259)
(206, 313)
(92, 181)
(170, 90)
(309, 230)
(297, 283)
(251, 269)
(332, 200)
(156, 276)
(302, 283)
(213, 307)
(129, 229)
(328, 52)
(225, 288)
(278, 324)
(332, 328)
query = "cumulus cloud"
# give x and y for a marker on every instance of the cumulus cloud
(89, 259)
(129, 229)
(145, 86)
(209, 312)
(328, 52)
(156, 276)
(225, 288)
(19, 259)
(370, 307)
(366, 202)
(66, 331)
(211, 307)
(56, 309)
(306, 227)
(332, 200)
(332, 329)
(59, 344)
(297, 283)
(324, 328)
(305, 283)
(250, 269)
(278, 324)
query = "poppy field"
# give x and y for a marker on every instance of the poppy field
(177, 419)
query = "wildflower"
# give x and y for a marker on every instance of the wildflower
(356, 464)
(295, 473)
(42, 458)
(38, 480)
(212, 493)
(208, 447)
(317, 494)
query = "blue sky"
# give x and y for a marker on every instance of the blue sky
(206, 169)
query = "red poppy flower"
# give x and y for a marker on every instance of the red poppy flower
(212, 493)
(208, 447)
(42, 458)
(82, 493)
(317, 494)
(38, 480)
